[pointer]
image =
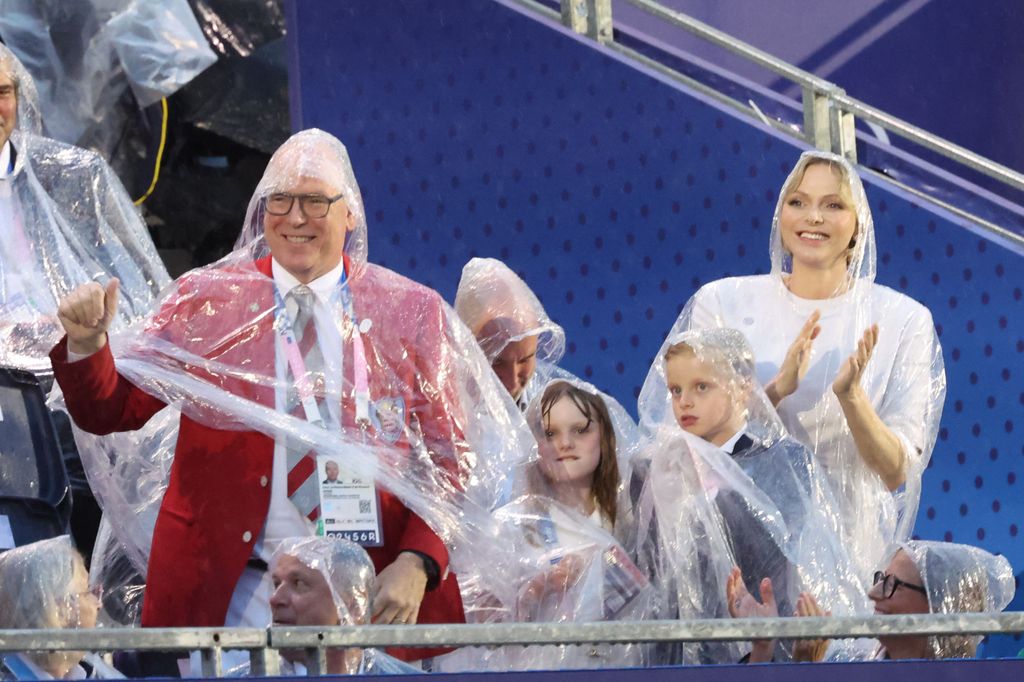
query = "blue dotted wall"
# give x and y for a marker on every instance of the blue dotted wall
(475, 130)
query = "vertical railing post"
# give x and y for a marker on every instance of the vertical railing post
(843, 132)
(816, 118)
(264, 662)
(592, 18)
(212, 662)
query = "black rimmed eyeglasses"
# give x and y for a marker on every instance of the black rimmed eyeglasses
(311, 205)
(891, 582)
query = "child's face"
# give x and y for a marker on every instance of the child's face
(570, 446)
(389, 419)
(701, 402)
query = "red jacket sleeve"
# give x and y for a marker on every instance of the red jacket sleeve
(100, 400)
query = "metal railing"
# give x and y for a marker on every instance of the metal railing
(263, 645)
(829, 114)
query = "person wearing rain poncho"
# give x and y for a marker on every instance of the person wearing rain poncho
(922, 577)
(325, 582)
(768, 502)
(45, 585)
(521, 342)
(278, 357)
(555, 554)
(854, 368)
(65, 218)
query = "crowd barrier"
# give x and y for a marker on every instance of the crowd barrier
(264, 644)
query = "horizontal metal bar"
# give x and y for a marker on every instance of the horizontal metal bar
(933, 142)
(733, 45)
(996, 231)
(109, 639)
(646, 631)
(541, 9)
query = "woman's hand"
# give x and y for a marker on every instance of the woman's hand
(848, 379)
(795, 364)
(809, 650)
(742, 604)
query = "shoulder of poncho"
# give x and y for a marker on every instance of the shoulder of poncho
(69, 156)
(890, 298)
(389, 282)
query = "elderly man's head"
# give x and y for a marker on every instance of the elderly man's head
(8, 98)
(321, 581)
(311, 205)
(514, 357)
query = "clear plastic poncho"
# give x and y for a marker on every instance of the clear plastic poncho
(349, 573)
(431, 425)
(86, 54)
(499, 308)
(703, 382)
(549, 560)
(45, 585)
(696, 515)
(960, 579)
(65, 220)
(904, 379)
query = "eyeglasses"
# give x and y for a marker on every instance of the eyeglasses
(311, 205)
(891, 582)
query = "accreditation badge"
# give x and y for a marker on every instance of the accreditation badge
(349, 505)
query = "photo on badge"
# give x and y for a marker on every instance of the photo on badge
(388, 418)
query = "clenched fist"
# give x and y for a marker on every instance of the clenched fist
(86, 314)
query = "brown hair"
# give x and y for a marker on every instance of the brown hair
(605, 486)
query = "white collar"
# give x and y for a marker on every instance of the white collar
(727, 446)
(5, 160)
(322, 286)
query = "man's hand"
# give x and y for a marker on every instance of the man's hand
(742, 604)
(86, 314)
(848, 379)
(809, 649)
(399, 591)
(795, 364)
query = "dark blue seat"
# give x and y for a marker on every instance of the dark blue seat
(35, 495)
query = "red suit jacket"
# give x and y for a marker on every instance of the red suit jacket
(218, 494)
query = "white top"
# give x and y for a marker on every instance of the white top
(283, 517)
(897, 380)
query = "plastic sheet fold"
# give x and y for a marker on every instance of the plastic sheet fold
(68, 220)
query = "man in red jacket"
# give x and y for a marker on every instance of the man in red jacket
(294, 329)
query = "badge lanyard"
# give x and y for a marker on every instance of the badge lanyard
(360, 373)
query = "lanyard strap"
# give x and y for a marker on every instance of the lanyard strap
(360, 373)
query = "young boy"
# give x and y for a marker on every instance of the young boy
(714, 395)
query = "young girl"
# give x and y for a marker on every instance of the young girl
(556, 557)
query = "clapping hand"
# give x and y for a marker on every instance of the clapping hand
(809, 649)
(849, 376)
(794, 366)
(742, 604)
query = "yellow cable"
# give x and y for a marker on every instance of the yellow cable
(159, 154)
